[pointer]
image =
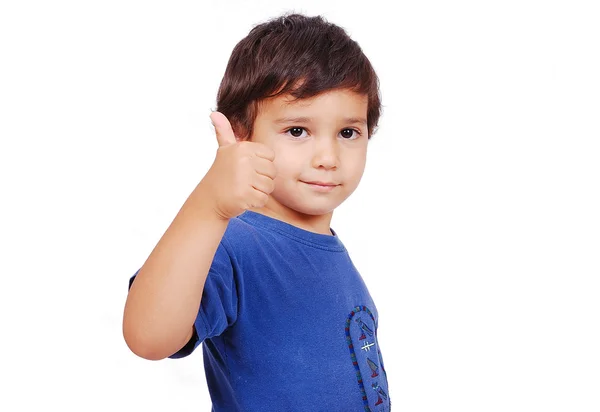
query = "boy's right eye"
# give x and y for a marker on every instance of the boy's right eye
(296, 132)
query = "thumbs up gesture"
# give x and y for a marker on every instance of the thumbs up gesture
(242, 175)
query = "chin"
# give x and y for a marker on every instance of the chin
(317, 208)
(314, 211)
(308, 204)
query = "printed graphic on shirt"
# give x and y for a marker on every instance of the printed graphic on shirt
(361, 337)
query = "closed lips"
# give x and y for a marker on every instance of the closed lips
(322, 183)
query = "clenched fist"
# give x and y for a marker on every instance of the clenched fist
(242, 175)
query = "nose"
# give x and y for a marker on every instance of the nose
(326, 153)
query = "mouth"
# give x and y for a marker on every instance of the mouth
(320, 183)
(321, 186)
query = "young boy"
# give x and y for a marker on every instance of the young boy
(250, 266)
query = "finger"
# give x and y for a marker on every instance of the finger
(223, 129)
(264, 167)
(258, 199)
(264, 151)
(263, 184)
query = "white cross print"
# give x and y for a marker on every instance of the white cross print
(367, 346)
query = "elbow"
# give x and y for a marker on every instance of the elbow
(140, 346)
(146, 353)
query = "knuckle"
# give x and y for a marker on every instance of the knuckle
(245, 146)
(262, 198)
(250, 192)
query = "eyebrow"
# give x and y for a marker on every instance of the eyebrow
(350, 120)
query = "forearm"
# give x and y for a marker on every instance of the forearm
(164, 299)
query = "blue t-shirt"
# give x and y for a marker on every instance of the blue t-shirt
(287, 324)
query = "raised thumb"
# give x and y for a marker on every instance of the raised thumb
(223, 129)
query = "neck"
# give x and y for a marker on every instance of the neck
(312, 223)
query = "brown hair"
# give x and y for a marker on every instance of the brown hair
(294, 54)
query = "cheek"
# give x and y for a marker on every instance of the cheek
(355, 164)
(287, 165)
(353, 175)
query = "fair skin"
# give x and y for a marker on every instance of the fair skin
(324, 147)
(269, 174)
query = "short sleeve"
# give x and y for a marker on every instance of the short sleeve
(219, 303)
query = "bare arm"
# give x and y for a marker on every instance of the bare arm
(164, 299)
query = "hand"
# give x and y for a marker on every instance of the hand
(242, 175)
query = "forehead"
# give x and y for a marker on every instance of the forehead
(340, 102)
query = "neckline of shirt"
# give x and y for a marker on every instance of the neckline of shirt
(319, 240)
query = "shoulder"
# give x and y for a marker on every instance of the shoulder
(239, 230)
(243, 244)
(240, 236)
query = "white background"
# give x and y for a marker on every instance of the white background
(476, 226)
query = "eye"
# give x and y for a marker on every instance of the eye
(296, 132)
(347, 134)
(350, 134)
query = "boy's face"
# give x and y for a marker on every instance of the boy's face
(314, 140)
